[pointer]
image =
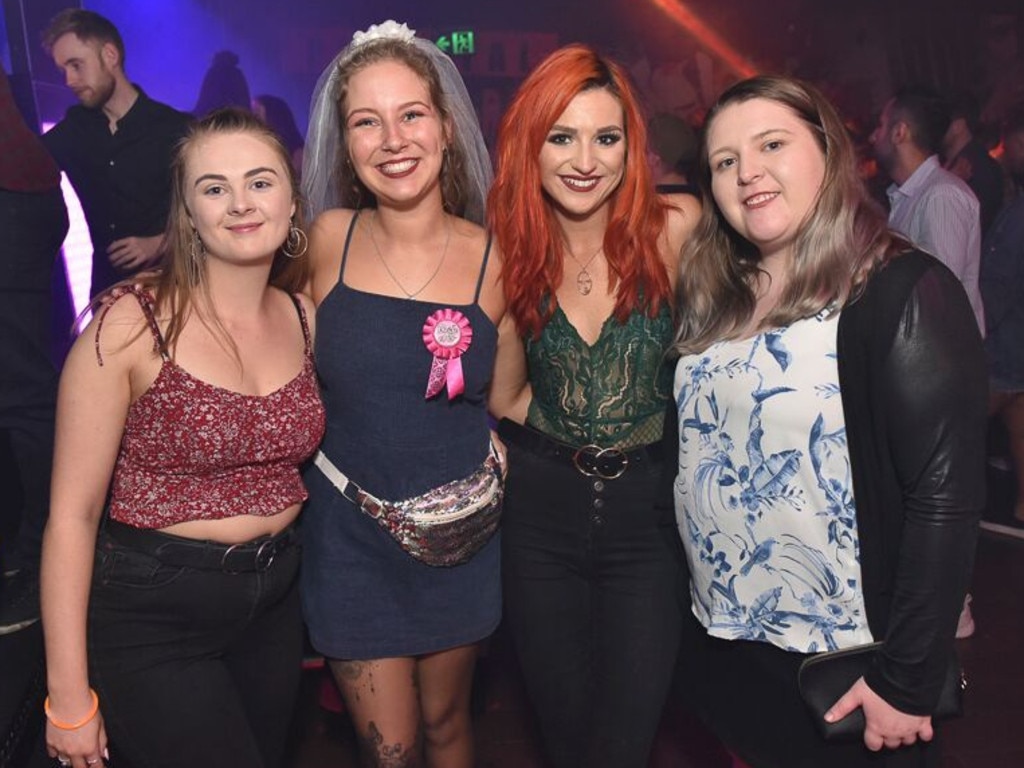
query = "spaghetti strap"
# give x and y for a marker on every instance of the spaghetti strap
(348, 241)
(303, 321)
(146, 303)
(483, 270)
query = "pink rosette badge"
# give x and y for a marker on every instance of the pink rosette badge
(447, 334)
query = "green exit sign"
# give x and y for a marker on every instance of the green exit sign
(457, 43)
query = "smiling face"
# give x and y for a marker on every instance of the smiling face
(88, 68)
(767, 168)
(239, 196)
(583, 157)
(394, 133)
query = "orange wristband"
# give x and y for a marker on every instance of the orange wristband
(72, 726)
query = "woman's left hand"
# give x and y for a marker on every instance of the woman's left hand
(885, 725)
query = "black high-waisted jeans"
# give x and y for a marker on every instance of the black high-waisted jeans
(194, 668)
(591, 571)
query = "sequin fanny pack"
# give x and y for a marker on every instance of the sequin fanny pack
(446, 525)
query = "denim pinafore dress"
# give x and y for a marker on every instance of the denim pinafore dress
(363, 596)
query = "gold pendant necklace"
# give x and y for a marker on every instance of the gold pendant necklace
(437, 269)
(584, 282)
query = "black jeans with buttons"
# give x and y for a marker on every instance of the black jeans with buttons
(590, 571)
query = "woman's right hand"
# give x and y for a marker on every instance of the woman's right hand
(885, 726)
(84, 747)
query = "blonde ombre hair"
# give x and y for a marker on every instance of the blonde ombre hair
(844, 237)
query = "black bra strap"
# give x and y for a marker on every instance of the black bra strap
(483, 270)
(348, 241)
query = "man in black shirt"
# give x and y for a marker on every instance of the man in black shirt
(115, 147)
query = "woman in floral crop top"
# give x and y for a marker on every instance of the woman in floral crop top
(171, 612)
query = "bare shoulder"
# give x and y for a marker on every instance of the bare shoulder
(118, 336)
(469, 241)
(326, 230)
(332, 220)
(478, 245)
(470, 234)
(326, 244)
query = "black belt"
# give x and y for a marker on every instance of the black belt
(248, 557)
(589, 460)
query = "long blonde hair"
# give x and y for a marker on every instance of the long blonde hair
(844, 237)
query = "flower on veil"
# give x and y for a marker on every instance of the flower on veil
(386, 30)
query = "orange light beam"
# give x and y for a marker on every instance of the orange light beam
(678, 11)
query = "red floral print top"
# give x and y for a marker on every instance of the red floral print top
(195, 451)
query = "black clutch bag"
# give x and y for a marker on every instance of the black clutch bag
(825, 677)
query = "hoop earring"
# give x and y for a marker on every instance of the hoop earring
(295, 244)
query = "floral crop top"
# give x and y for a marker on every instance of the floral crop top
(195, 451)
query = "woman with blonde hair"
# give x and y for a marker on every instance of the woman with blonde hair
(590, 567)
(406, 286)
(170, 561)
(830, 395)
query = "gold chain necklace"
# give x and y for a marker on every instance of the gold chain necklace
(437, 269)
(584, 282)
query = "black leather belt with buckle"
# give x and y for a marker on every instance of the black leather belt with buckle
(251, 556)
(595, 461)
(589, 460)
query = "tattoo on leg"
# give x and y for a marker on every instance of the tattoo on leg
(378, 754)
(349, 670)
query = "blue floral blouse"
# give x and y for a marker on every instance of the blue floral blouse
(764, 496)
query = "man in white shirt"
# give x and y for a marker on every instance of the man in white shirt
(931, 206)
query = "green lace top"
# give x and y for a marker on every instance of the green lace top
(613, 393)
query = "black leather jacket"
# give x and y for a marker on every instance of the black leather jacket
(913, 379)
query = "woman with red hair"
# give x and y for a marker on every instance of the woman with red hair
(590, 568)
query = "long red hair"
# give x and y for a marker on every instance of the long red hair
(523, 220)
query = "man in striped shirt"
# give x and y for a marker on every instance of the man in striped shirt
(934, 208)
